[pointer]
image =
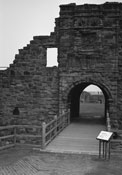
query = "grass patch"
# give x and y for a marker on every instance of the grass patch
(91, 109)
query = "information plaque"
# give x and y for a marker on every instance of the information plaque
(104, 138)
(104, 135)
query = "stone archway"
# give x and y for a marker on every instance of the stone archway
(74, 97)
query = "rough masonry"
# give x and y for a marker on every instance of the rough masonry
(89, 42)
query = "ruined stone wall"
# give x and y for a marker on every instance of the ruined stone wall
(88, 39)
(119, 85)
(29, 85)
(90, 51)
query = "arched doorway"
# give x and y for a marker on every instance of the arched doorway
(74, 99)
(92, 105)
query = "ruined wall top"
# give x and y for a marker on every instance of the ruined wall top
(67, 9)
(90, 15)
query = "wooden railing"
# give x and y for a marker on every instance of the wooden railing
(16, 134)
(4, 143)
(32, 135)
(52, 129)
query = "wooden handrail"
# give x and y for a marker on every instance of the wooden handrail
(50, 122)
(28, 126)
(19, 126)
(6, 137)
(7, 127)
(28, 135)
(50, 131)
(15, 135)
(47, 131)
(56, 129)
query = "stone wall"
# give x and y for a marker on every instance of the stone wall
(29, 85)
(88, 38)
(119, 85)
(90, 53)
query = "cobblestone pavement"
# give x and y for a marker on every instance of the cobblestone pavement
(18, 161)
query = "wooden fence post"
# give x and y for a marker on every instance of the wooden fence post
(43, 135)
(15, 135)
(55, 118)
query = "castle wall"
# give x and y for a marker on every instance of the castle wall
(90, 53)
(29, 85)
(88, 39)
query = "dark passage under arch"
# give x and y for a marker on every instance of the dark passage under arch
(74, 100)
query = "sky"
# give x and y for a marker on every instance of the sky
(20, 20)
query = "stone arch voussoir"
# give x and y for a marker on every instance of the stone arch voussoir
(101, 85)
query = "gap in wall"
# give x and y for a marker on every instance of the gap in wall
(52, 54)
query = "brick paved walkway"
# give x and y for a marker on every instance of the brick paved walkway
(16, 161)
(24, 162)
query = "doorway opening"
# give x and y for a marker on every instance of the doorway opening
(88, 105)
(92, 105)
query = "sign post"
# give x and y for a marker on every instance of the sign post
(104, 138)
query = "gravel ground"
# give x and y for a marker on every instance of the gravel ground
(18, 161)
